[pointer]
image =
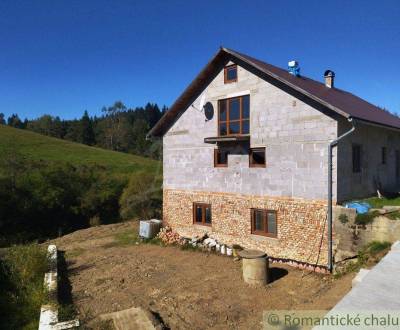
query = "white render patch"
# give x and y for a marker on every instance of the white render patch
(48, 312)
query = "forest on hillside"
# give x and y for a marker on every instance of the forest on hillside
(118, 128)
(50, 187)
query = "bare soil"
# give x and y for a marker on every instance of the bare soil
(186, 289)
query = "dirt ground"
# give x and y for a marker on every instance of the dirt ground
(187, 289)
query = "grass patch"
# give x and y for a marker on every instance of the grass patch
(368, 256)
(393, 215)
(38, 147)
(378, 203)
(366, 218)
(131, 237)
(22, 270)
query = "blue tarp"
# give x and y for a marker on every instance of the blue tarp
(361, 207)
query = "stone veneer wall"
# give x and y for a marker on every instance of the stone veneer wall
(302, 223)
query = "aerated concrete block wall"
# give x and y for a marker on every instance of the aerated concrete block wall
(374, 175)
(294, 133)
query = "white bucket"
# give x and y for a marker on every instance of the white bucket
(228, 251)
(223, 249)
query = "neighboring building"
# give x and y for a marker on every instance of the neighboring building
(255, 172)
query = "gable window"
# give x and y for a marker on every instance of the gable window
(220, 158)
(202, 214)
(264, 222)
(257, 157)
(383, 155)
(234, 115)
(230, 74)
(356, 158)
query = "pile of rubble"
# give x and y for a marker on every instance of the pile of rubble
(205, 243)
(212, 245)
(169, 237)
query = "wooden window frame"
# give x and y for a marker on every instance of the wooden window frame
(216, 164)
(203, 219)
(359, 168)
(383, 155)
(265, 220)
(226, 80)
(227, 121)
(251, 164)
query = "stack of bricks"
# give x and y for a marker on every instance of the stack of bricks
(302, 228)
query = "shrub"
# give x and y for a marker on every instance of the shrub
(21, 285)
(366, 218)
(141, 198)
(376, 246)
(343, 218)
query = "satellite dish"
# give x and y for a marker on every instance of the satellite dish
(209, 111)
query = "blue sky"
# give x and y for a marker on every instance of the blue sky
(62, 57)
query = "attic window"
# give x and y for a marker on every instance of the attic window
(230, 74)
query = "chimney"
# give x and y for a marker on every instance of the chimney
(329, 76)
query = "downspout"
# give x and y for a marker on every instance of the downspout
(333, 144)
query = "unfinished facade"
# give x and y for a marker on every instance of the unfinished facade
(245, 156)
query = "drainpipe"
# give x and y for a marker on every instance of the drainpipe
(333, 144)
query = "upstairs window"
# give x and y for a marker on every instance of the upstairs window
(230, 74)
(202, 214)
(383, 155)
(257, 157)
(356, 158)
(234, 115)
(220, 158)
(264, 222)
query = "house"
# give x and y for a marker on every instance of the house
(246, 154)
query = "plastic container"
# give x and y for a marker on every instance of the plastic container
(148, 228)
(223, 249)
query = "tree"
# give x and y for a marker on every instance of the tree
(15, 121)
(139, 130)
(87, 133)
(2, 120)
(113, 118)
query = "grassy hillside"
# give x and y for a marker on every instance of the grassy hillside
(50, 187)
(39, 147)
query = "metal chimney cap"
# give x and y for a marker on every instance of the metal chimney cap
(329, 73)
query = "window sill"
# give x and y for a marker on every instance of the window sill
(264, 238)
(202, 225)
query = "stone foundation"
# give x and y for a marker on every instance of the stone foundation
(302, 224)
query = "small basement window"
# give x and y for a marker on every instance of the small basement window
(356, 155)
(257, 157)
(384, 155)
(230, 74)
(220, 158)
(202, 214)
(264, 222)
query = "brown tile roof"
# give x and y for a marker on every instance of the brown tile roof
(342, 102)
